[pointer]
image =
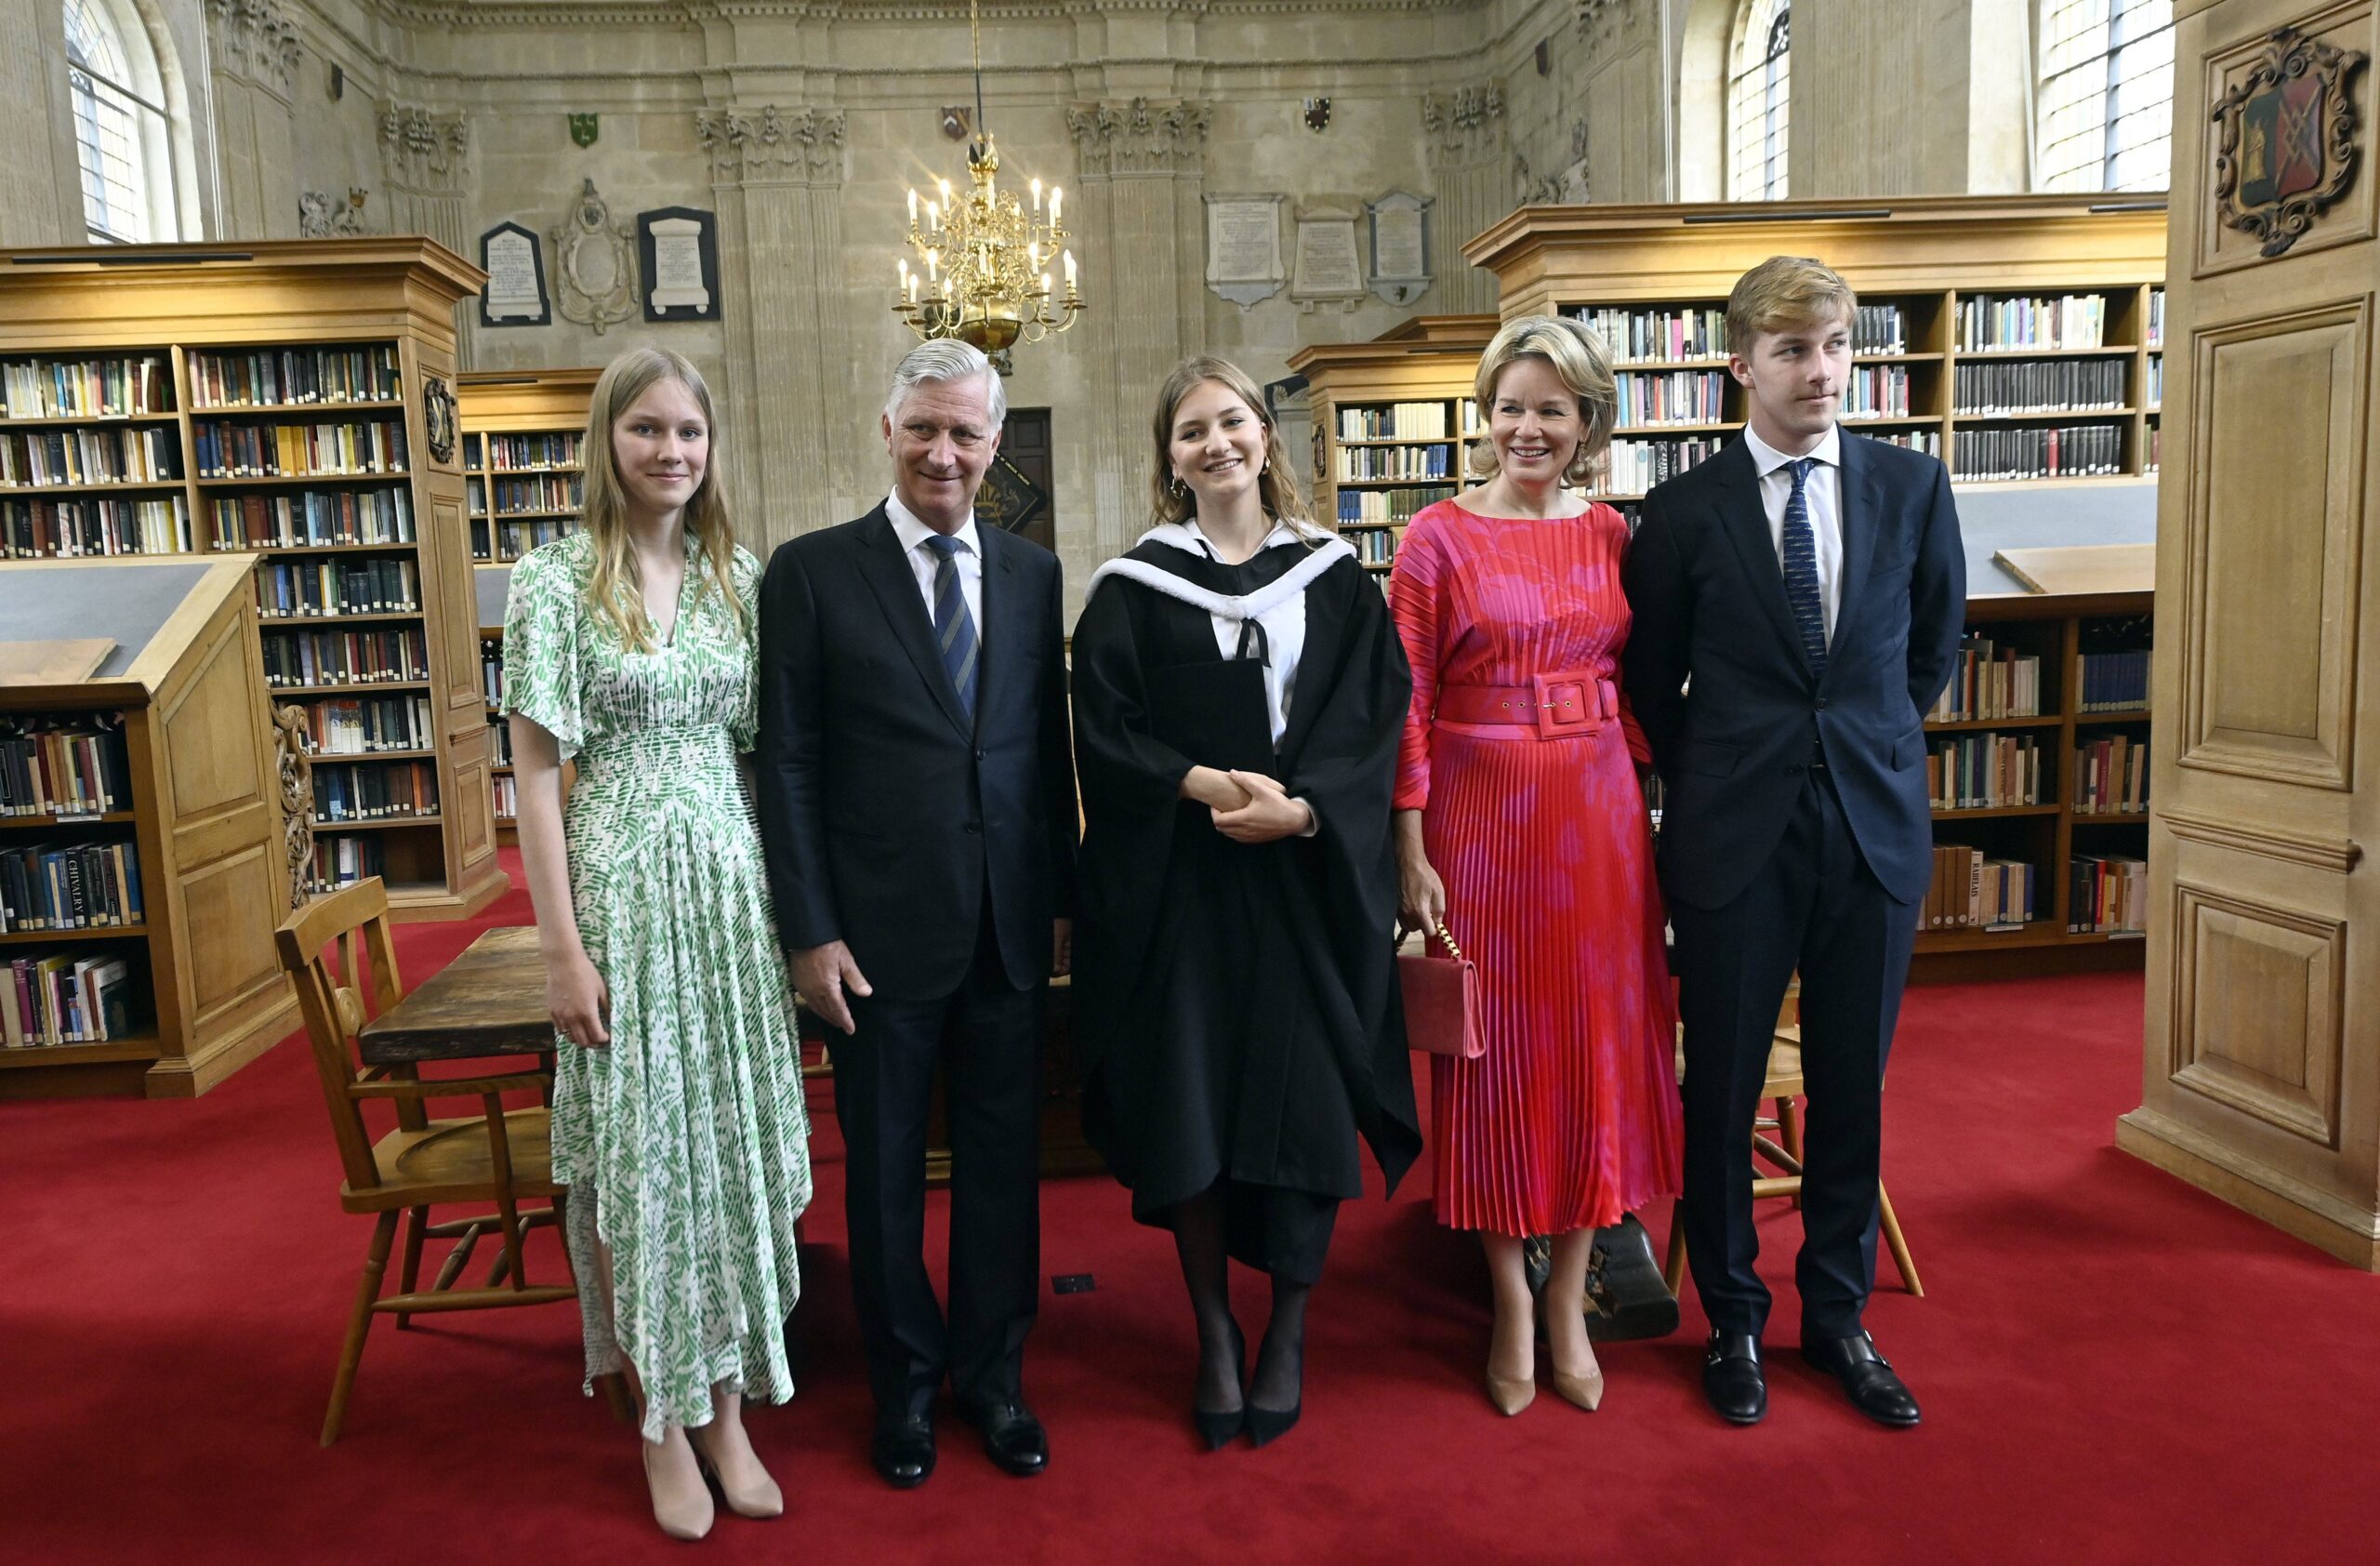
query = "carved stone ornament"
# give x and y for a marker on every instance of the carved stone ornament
(1139, 136)
(438, 418)
(323, 216)
(802, 146)
(596, 260)
(1567, 186)
(1598, 19)
(424, 152)
(2285, 146)
(1466, 126)
(255, 41)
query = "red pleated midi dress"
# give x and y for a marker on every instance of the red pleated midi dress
(1570, 1118)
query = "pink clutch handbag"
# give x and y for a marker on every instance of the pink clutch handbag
(1441, 1002)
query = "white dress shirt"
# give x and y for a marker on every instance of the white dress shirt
(1822, 492)
(925, 563)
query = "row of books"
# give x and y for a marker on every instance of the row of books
(1984, 772)
(1358, 507)
(2111, 777)
(149, 455)
(2156, 317)
(2156, 449)
(68, 998)
(515, 536)
(234, 451)
(2156, 380)
(2107, 892)
(1637, 465)
(86, 388)
(345, 859)
(2057, 452)
(72, 527)
(2037, 385)
(70, 886)
(1927, 441)
(1657, 336)
(550, 449)
(359, 726)
(504, 792)
(492, 671)
(327, 588)
(263, 378)
(1672, 396)
(1972, 890)
(63, 764)
(1878, 328)
(307, 518)
(1375, 546)
(1999, 323)
(2115, 681)
(345, 657)
(499, 742)
(1359, 463)
(352, 792)
(545, 492)
(1988, 681)
(1876, 392)
(1394, 422)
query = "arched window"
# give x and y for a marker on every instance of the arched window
(1759, 102)
(2106, 95)
(120, 133)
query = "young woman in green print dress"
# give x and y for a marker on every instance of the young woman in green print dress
(677, 1102)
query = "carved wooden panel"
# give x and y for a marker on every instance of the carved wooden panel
(231, 907)
(2274, 544)
(211, 760)
(2222, 248)
(2259, 1001)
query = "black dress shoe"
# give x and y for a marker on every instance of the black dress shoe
(1012, 1437)
(1732, 1378)
(1626, 1295)
(903, 1450)
(1875, 1390)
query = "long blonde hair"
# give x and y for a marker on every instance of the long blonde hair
(1277, 486)
(614, 591)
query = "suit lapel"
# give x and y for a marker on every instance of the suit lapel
(1860, 503)
(888, 575)
(1745, 521)
(1004, 634)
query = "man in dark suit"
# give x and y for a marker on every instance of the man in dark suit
(916, 806)
(1798, 601)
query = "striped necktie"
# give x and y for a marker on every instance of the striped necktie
(1800, 551)
(954, 627)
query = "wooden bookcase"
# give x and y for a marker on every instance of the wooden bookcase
(206, 318)
(185, 685)
(547, 410)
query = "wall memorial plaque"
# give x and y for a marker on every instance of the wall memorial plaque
(1400, 224)
(1244, 247)
(677, 250)
(515, 295)
(1329, 268)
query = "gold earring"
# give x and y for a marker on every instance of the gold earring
(1181, 490)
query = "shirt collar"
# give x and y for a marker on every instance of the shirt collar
(1766, 458)
(913, 532)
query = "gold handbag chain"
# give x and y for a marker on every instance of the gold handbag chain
(1452, 949)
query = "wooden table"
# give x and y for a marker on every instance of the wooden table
(489, 1000)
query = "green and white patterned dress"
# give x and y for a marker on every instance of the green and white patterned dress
(689, 1130)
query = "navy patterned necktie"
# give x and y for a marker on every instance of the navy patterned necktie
(954, 627)
(1800, 551)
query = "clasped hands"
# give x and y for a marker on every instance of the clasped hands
(1247, 806)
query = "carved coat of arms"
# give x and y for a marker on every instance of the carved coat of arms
(2285, 144)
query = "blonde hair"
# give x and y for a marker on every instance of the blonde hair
(1277, 486)
(1583, 364)
(613, 591)
(1782, 293)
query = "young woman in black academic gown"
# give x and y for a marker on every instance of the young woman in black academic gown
(1238, 695)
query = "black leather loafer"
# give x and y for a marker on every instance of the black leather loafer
(1866, 1375)
(1012, 1437)
(903, 1450)
(1732, 1378)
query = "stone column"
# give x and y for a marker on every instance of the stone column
(253, 53)
(1469, 174)
(426, 156)
(1141, 166)
(794, 413)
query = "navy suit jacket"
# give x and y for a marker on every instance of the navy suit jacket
(1725, 695)
(890, 821)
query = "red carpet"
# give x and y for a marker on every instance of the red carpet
(2113, 1367)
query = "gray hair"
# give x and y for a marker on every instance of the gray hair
(947, 359)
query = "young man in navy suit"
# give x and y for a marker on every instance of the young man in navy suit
(1798, 601)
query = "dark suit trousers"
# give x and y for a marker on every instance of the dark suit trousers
(1815, 905)
(987, 1038)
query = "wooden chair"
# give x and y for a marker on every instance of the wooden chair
(1782, 1085)
(498, 1156)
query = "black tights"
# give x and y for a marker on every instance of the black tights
(1206, 1268)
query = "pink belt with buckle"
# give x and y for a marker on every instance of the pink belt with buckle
(1553, 706)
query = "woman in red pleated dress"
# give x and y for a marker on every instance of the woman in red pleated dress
(1520, 823)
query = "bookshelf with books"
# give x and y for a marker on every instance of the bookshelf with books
(290, 401)
(524, 431)
(1393, 421)
(142, 866)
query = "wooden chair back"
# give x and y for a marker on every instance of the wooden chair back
(337, 949)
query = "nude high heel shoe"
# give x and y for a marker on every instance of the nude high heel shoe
(681, 1517)
(758, 1499)
(1510, 1394)
(1585, 1391)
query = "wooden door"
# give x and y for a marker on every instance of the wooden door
(1020, 491)
(2261, 1082)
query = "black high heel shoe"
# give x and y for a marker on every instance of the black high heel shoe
(1218, 1430)
(1265, 1424)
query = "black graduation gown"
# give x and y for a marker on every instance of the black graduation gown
(1237, 1012)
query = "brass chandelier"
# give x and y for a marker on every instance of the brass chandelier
(983, 272)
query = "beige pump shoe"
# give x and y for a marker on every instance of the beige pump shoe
(681, 1516)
